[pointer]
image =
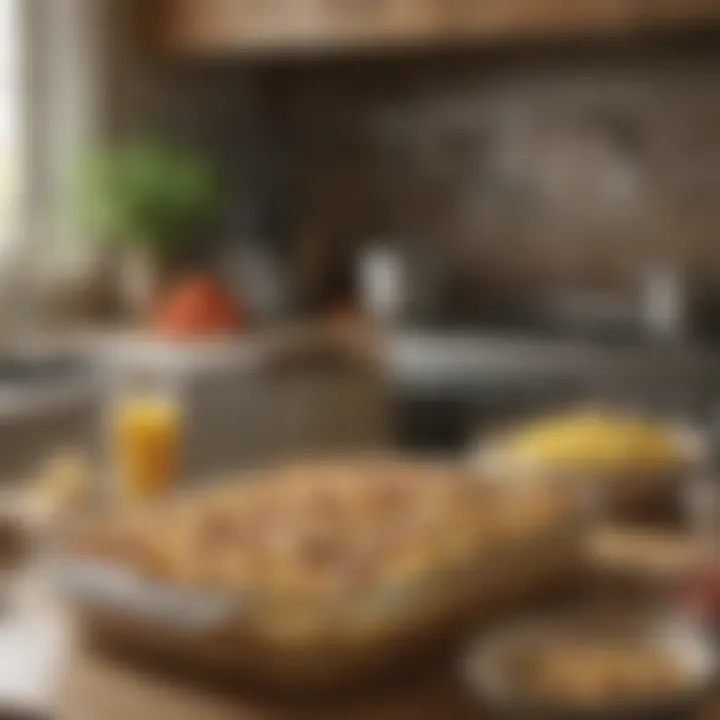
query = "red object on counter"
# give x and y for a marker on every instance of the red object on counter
(198, 306)
(701, 594)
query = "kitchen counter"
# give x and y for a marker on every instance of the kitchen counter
(456, 358)
(47, 403)
(404, 353)
(436, 390)
(258, 399)
(450, 388)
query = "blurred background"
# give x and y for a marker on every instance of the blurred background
(521, 196)
(238, 232)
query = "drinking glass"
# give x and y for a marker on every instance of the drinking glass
(146, 422)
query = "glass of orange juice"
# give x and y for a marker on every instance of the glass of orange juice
(146, 435)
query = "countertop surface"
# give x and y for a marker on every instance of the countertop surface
(452, 358)
(45, 673)
(103, 689)
(412, 355)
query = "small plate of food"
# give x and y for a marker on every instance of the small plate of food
(638, 667)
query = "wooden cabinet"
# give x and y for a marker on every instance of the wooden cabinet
(373, 21)
(650, 12)
(237, 26)
(478, 18)
(218, 25)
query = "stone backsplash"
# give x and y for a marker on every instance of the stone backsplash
(511, 174)
(515, 174)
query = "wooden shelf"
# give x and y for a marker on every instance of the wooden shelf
(222, 26)
(677, 11)
(228, 27)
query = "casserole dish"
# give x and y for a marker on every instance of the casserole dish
(344, 570)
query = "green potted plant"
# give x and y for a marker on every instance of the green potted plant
(150, 198)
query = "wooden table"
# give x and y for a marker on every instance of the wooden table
(101, 689)
(45, 674)
(34, 647)
(42, 669)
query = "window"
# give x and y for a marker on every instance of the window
(52, 110)
(51, 93)
(11, 143)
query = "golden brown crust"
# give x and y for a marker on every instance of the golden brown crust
(324, 533)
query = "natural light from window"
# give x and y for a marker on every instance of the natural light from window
(10, 140)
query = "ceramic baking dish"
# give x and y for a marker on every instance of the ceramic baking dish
(235, 637)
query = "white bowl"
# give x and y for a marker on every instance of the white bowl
(486, 670)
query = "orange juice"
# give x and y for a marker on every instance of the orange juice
(146, 439)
